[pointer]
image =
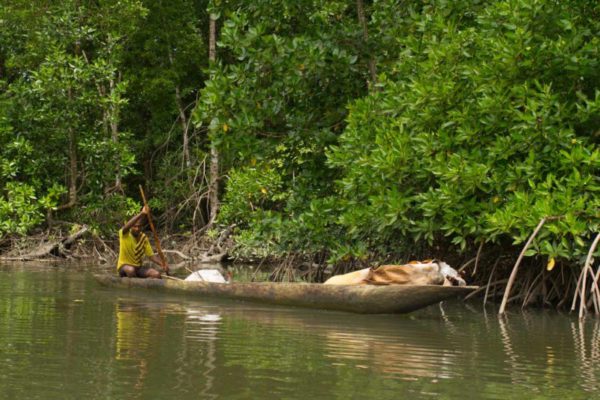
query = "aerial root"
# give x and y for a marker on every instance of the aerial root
(582, 288)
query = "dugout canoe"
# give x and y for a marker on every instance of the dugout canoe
(364, 299)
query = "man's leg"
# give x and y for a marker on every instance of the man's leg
(147, 272)
(127, 271)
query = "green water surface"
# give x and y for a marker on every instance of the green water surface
(62, 336)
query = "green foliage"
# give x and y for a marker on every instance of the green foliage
(23, 205)
(63, 100)
(484, 119)
(272, 106)
(252, 188)
(164, 54)
(105, 215)
(164, 64)
(19, 210)
(483, 130)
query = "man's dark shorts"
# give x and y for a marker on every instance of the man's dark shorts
(140, 272)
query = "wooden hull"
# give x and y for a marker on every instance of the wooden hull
(364, 299)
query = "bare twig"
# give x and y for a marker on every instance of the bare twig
(178, 253)
(481, 289)
(257, 269)
(465, 265)
(530, 291)
(578, 289)
(477, 258)
(595, 290)
(513, 274)
(576, 293)
(587, 267)
(487, 288)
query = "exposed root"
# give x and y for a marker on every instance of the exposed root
(513, 274)
(51, 249)
(217, 245)
(465, 265)
(582, 288)
(107, 255)
(486, 288)
(285, 272)
(255, 274)
(477, 259)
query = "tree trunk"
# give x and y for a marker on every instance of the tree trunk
(184, 128)
(114, 129)
(213, 187)
(371, 62)
(72, 166)
(110, 122)
(182, 120)
(212, 40)
(73, 173)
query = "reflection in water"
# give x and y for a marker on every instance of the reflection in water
(62, 334)
(532, 351)
(588, 358)
(405, 353)
(204, 327)
(139, 324)
(497, 357)
(512, 359)
(390, 356)
(133, 338)
(133, 331)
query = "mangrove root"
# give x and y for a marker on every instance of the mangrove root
(58, 248)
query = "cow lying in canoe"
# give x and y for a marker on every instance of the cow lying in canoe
(429, 272)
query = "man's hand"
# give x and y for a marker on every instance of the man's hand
(164, 265)
(158, 261)
(145, 210)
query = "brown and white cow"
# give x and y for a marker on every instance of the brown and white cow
(429, 272)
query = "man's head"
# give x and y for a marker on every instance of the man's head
(138, 227)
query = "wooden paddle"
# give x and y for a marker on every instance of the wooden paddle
(165, 267)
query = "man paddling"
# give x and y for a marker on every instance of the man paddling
(133, 246)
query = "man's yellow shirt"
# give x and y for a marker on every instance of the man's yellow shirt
(132, 250)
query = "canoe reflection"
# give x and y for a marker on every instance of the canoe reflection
(411, 350)
(391, 356)
(266, 344)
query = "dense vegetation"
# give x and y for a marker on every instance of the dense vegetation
(345, 132)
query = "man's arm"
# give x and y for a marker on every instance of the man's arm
(156, 259)
(135, 219)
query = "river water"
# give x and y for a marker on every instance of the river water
(62, 336)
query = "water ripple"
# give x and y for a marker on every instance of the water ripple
(66, 338)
